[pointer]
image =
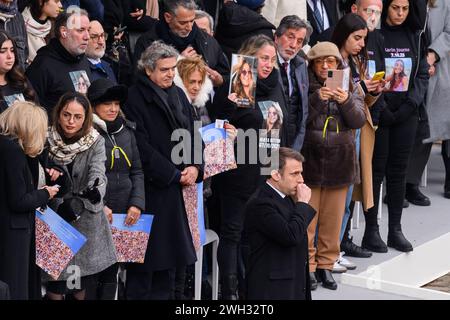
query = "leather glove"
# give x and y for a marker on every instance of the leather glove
(71, 209)
(92, 193)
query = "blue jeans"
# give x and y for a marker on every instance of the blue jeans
(350, 189)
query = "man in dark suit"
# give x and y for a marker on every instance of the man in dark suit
(322, 14)
(291, 35)
(277, 218)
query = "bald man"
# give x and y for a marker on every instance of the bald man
(95, 52)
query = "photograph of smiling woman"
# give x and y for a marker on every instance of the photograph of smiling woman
(243, 84)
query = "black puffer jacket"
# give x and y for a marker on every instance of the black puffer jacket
(331, 160)
(125, 180)
(238, 23)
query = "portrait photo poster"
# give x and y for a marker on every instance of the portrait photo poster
(269, 135)
(243, 80)
(398, 74)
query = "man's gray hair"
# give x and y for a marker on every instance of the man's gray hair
(294, 22)
(202, 14)
(171, 6)
(63, 19)
(157, 51)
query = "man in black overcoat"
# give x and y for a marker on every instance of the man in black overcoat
(277, 219)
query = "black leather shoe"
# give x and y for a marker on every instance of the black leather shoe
(397, 240)
(353, 250)
(405, 202)
(313, 280)
(326, 278)
(416, 197)
(372, 241)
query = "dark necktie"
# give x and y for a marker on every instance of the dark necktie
(318, 17)
(285, 66)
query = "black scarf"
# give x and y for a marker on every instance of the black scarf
(115, 125)
(165, 34)
(265, 86)
(171, 100)
(62, 52)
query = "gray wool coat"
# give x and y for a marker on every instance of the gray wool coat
(438, 95)
(98, 253)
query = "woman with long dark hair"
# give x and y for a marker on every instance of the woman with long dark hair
(13, 83)
(351, 36)
(38, 16)
(398, 122)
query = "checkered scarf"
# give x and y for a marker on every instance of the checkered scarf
(64, 153)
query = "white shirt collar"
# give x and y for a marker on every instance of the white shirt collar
(278, 191)
(94, 61)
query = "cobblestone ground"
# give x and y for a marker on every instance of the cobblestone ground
(440, 284)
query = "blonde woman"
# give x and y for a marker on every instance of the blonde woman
(23, 128)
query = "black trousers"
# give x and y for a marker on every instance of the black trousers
(446, 158)
(393, 146)
(156, 285)
(231, 228)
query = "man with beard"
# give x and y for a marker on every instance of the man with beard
(95, 52)
(59, 66)
(291, 35)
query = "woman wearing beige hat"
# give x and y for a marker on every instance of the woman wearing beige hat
(331, 165)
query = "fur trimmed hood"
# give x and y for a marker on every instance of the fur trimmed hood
(204, 94)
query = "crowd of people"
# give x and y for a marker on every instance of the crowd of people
(91, 93)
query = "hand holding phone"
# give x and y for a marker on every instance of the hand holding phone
(378, 76)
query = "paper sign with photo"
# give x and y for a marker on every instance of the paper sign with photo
(398, 73)
(338, 79)
(193, 202)
(218, 154)
(131, 241)
(57, 242)
(243, 80)
(269, 136)
(13, 98)
(80, 81)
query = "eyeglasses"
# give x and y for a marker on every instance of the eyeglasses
(96, 37)
(329, 61)
(370, 12)
(273, 112)
(246, 72)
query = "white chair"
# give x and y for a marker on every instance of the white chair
(211, 237)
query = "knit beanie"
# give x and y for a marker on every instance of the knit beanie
(251, 4)
(324, 49)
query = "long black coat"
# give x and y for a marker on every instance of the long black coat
(125, 184)
(170, 243)
(278, 237)
(18, 201)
